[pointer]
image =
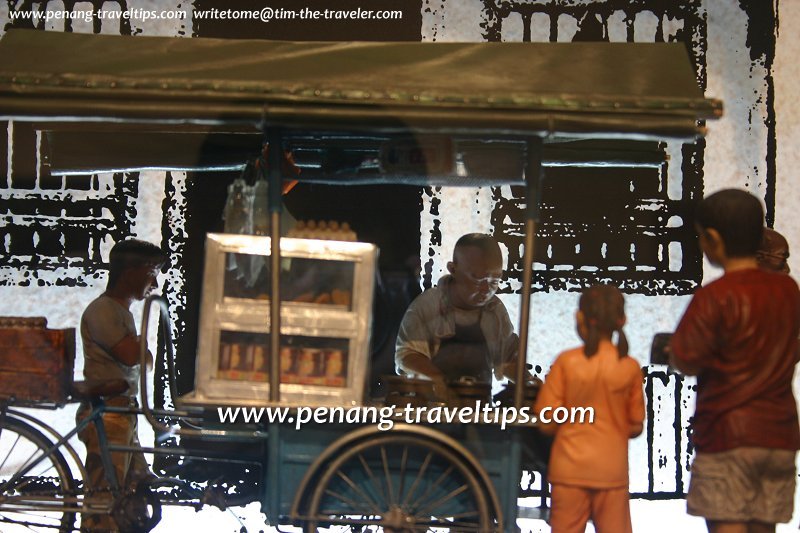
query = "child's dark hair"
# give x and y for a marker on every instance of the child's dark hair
(603, 308)
(737, 216)
(132, 253)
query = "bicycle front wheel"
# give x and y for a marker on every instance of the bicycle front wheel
(43, 497)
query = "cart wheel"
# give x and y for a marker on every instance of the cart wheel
(399, 483)
(37, 501)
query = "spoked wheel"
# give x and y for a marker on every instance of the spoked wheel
(43, 498)
(399, 483)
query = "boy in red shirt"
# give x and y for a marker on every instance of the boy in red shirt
(739, 337)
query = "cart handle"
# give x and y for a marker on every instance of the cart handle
(158, 426)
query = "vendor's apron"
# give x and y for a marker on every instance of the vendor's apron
(465, 354)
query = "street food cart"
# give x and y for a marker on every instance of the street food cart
(449, 114)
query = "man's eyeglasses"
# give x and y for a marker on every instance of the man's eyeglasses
(489, 280)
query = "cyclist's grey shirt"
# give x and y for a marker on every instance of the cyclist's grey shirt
(104, 323)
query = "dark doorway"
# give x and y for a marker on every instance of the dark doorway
(386, 215)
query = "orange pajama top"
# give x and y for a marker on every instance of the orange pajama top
(593, 455)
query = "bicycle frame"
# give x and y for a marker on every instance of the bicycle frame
(62, 442)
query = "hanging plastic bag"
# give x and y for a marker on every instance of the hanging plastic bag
(238, 207)
(236, 215)
(260, 225)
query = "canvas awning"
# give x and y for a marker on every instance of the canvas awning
(572, 89)
(202, 104)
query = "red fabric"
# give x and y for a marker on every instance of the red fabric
(740, 332)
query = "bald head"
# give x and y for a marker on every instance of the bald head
(485, 243)
(476, 268)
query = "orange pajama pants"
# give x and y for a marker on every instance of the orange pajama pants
(572, 507)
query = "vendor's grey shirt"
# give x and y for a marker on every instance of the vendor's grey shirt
(104, 323)
(431, 318)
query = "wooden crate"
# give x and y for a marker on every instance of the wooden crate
(36, 364)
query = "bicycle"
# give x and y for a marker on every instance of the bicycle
(43, 479)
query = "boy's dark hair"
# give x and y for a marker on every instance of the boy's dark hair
(738, 218)
(132, 253)
(603, 308)
(486, 243)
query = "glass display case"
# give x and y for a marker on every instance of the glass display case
(326, 294)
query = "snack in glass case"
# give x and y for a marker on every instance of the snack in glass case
(303, 280)
(244, 356)
(307, 362)
(330, 230)
(224, 357)
(333, 363)
(287, 360)
(334, 368)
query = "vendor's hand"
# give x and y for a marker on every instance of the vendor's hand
(440, 389)
(533, 381)
(509, 371)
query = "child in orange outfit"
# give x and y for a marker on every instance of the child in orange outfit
(589, 461)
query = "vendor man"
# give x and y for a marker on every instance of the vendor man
(460, 328)
(111, 353)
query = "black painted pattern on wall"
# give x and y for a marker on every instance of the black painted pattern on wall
(613, 225)
(58, 224)
(52, 223)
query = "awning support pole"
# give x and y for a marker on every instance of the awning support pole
(275, 140)
(533, 180)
